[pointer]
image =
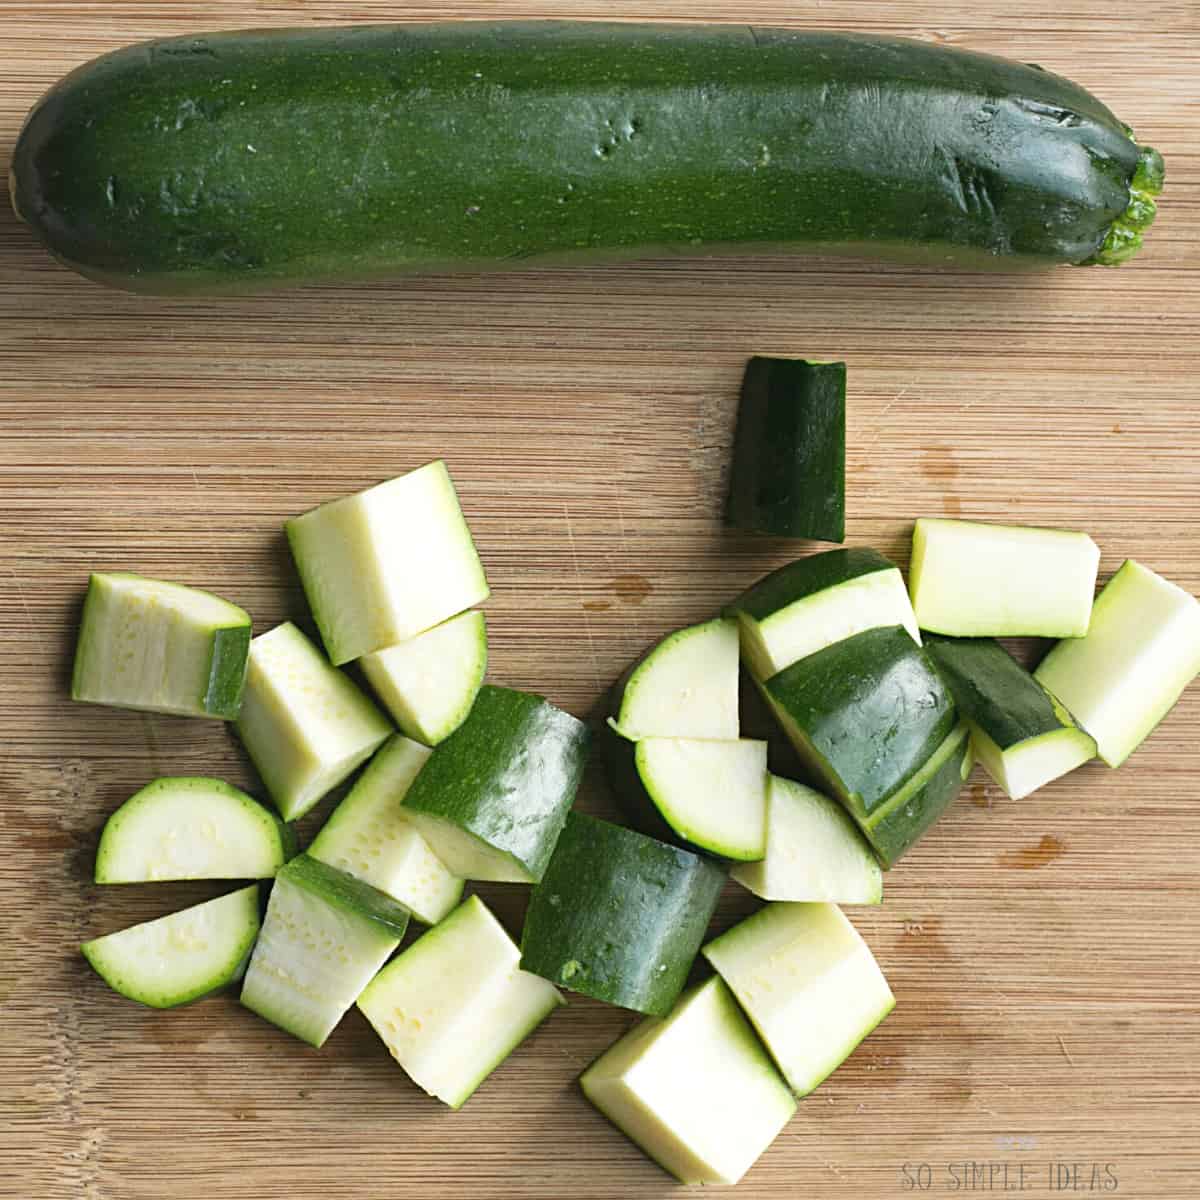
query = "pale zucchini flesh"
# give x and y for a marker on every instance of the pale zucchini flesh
(324, 938)
(468, 856)
(687, 686)
(428, 683)
(160, 647)
(305, 724)
(388, 563)
(808, 983)
(1142, 650)
(370, 836)
(191, 828)
(711, 793)
(180, 957)
(695, 1089)
(1023, 768)
(814, 851)
(969, 579)
(455, 1003)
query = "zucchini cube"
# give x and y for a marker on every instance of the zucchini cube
(303, 722)
(387, 563)
(694, 1090)
(808, 983)
(160, 647)
(455, 1004)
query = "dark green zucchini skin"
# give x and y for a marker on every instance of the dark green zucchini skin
(896, 826)
(789, 453)
(508, 774)
(258, 158)
(619, 916)
(866, 713)
(992, 689)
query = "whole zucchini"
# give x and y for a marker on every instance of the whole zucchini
(266, 157)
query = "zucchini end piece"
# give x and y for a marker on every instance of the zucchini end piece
(1125, 235)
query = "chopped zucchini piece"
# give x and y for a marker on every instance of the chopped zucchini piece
(429, 682)
(454, 1005)
(369, 835)
(1020, 733)
(493, 796)
(388, 563)
(811, 603)
(180, 957)
(973, 580)
(1142, 650)
(619, 916)
(325, 936)
(303, 722)
(709, 794)
(814, 851)
(789, 454)
(686, 686)
(808, 983)
(694, 1090)
(864, 713)
(191, 828)
(160, 647)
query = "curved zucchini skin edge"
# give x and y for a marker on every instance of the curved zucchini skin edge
(236, 968)
(905, 818)
(181, 165)
(631, 913)
(619, 756)
(341, 890)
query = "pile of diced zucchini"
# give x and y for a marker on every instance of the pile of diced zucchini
(887, 692)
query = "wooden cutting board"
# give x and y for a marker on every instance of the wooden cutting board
(1044, 953)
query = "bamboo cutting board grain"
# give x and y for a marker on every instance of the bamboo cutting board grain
(1044, 953)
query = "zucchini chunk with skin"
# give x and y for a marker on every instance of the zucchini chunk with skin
(492, 798)
(811, 603)
(1022, 734)
(619, 916)
(864, 713)
(969, 579)
(191, 828)
(325, 936)
(304, 723)
(789, 453)
(695, 1090)
(429, 682)
(388, 563)
(686, 686)
(455, 1004)
(180, 957)
(369, 835)
(160, 647)
(911, 811)
(814, 851)
(703, 794)
(808, 983)
(1141, 651)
